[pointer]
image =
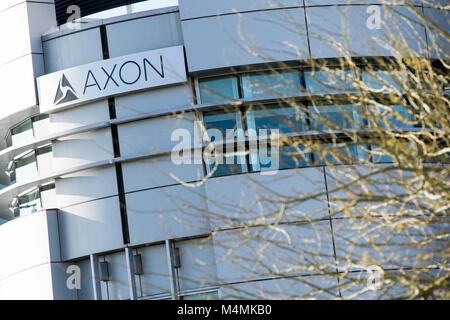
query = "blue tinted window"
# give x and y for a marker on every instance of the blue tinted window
(334, 117)
(271, 84)
(381, 80)
(285, 119)
(222, 121)
(218, 89)
(346, 154)
(394, 117)
(287, 157)
(379, 156)
(330, 81)
(227, 169)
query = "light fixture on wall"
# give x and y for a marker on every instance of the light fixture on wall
(138, 270)
(9, 168)
(103, 271)
(176, 258)
(13, 204)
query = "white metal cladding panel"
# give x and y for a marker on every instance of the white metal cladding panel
(382, 184)
(435, 40)
(153, 135)
(41, 128)
(342, 31)
(250, 198)
(157, 172)
(391, 248)
(86, 186)
(80, 116)
(82, 148)
(191, 9)
(118, 287)
(99, 224)
(17, 83)
(350, 2)
(233, 40)
(23, 137)
(198, 264)
(288, 288)
(41, 18)
(44, 164)
(86, 292)
(25, 244)
(15, 30)
(31, 284)
(162, 100)
(59, 282)
(27, 173)
(10, 3)
(243, 255)
(166, 213)
(72, 50)
(155, 277)
(48, 199)
(148, 33)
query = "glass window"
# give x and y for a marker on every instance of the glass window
(26, 160)
(271, 84)
(30, 203)
(393, 117)
(44, 150)
(222, 121)
(379, 156)
(287, 157)
(22, 127)
(217, 124)
(47, 187)
(334, 153)
(202, 296)
(333, 117)
(218, 89)
(382, 80)
(286, 119)
(330, 81)
(40, 117)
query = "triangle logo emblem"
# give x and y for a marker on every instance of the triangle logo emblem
(65, 92)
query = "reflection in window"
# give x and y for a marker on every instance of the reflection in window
(271, 84)
(393, 117)
(25, 126)
(26, 160)
(330, 81)
(29, 203)
(218, 89)
(346, 154)
(286, 119)
(334, 117)
(379, 156)
(287, 157)
(221, 127)
(382, 80)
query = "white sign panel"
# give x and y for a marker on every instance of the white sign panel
(111, 77)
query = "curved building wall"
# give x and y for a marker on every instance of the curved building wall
(118, 195)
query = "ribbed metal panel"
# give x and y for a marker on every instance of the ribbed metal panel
(87, 7)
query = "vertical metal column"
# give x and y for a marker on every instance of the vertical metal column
(131, 272)
(172, 274)
(95, 277)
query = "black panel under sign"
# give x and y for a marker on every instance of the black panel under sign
(87, 7)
